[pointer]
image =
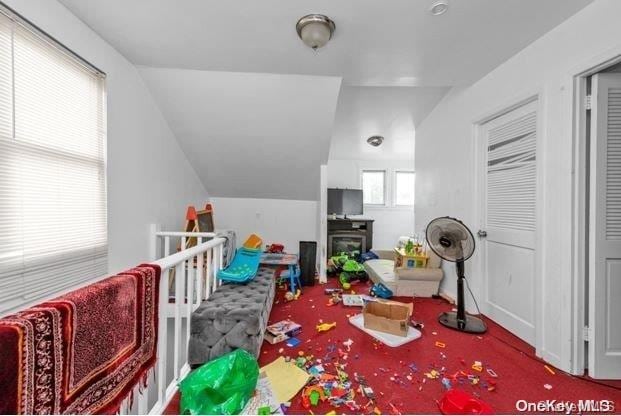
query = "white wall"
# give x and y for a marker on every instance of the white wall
(149, 177)
(392, 112)
(274, 220)
(445, 153)
(390, 222)
(250, 135)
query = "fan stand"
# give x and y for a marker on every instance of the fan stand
(460, 320)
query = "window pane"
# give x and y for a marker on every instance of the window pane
(53, 221)
(404, 188)
(373, 187)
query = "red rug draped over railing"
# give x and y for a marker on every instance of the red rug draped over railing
(83, 352)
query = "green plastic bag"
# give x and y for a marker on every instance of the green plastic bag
(220, 387)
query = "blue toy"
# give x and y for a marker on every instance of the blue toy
(369, 255)
(244, 266)
(381, 291)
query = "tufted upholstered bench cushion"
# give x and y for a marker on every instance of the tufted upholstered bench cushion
(234, 316)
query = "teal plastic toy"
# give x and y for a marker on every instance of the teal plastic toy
(244, 266)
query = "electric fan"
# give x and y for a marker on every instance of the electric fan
(451, 240)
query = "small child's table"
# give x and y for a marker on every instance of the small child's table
(285, 260)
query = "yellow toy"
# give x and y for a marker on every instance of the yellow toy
(253, 242)
(325, 327)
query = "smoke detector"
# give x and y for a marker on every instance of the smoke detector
(375, 141)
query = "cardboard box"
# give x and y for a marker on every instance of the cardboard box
(282, 331)
(388, 316)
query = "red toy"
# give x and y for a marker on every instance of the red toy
(275, 248)
(458, 402)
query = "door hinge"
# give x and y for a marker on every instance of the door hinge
(587, 102)
(586, 333)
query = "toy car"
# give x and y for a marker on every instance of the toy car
(381, 291)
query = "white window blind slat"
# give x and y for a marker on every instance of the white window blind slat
(6, 79)
(613, 166)
(511, 174)
(53, 219)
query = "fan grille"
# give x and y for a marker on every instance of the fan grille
(450, 239)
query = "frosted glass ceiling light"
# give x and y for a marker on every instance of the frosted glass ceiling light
(315, 30)
(438, 7)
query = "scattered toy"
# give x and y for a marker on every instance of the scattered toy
(394, 409)
(325, 327)
(549, 369)
(446, 383)
(348, 344)
(381, 291)
(440, 344)
(293, 342)
(458, 402)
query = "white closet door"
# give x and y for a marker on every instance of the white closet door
(605, 229)
(509, 218)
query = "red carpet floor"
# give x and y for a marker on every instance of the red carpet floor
(520, 376)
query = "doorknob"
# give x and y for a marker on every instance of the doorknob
(482, 233)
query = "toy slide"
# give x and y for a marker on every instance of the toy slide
(245, 264)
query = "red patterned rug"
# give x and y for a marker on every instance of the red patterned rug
(83, 352)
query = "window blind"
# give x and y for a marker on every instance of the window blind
(53, 230)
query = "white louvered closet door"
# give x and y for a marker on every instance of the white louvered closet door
(605, 228)
(509, 217)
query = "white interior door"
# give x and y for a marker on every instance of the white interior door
(509, 185)
(605, 228)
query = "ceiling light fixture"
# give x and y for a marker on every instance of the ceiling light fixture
(438, 7)
(315, 30)
(375, 141)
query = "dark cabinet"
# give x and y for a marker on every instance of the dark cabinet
(347, 235)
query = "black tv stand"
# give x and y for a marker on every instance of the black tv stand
(355, 229)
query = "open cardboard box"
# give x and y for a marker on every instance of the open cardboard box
(388, 316)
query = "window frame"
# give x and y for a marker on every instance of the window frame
(394, 188)
(96, 255)
(384, 186)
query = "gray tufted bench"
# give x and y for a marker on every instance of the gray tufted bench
(234, 316)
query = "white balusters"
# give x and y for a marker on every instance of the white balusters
(200, 280)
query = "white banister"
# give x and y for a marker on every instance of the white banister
(194, 268)
(200, 275)
(162, 337)
(183, 234)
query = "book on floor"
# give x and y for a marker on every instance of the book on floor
(282, 331)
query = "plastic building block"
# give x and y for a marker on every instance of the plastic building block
(314, 398)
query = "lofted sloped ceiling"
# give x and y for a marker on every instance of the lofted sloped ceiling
(253, 108)
(250, 135)
(377, 42)
(392, 112)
